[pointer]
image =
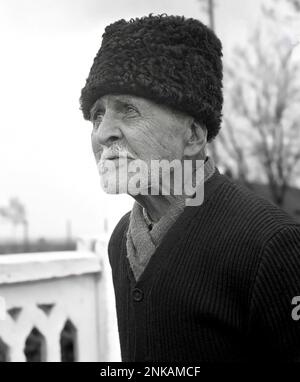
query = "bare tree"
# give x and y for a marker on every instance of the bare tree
(295, 4)
(15, 213)
(283, 10)
(262, 121)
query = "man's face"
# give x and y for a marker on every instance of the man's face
(138, 128)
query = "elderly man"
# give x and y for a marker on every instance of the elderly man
(213, 281)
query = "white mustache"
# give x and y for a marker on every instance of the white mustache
(116, 153)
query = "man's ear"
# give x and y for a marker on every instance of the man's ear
(196, 139)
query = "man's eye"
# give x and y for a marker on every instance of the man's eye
(97, 119)
(130, 109)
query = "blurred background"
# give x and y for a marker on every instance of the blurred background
(49, 186)
(50, 195)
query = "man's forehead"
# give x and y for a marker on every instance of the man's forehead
(111, 99)
(121, 98)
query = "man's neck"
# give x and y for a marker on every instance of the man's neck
(157, 206)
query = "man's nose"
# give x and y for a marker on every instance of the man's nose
(108, 132)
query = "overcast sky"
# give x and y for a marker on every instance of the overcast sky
(47, 48)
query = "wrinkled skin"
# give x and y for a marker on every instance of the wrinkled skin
(145, 130)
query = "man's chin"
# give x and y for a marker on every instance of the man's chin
(113, 192)
(114, 189)
(124, 190)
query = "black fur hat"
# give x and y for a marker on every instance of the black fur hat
(169, 59)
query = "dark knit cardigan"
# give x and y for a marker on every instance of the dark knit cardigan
(219, 286)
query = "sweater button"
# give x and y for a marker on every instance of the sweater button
(137, 294)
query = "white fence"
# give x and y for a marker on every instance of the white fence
(58, 306)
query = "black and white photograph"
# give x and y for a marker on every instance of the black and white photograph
(150, 184)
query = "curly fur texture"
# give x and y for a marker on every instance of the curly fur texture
(169, 59)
